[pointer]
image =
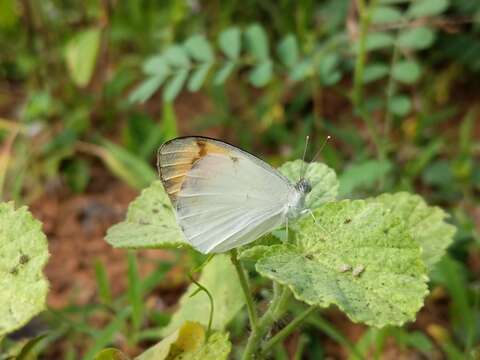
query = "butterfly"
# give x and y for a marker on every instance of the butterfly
(225, 197)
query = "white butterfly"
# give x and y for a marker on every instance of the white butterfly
(225, 197)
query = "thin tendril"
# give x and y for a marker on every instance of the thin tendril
(204, 289)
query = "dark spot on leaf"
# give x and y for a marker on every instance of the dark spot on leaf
(309, 256)
(155, 211)
(385, 231)
(24, 259)
(347, 221)
(234, 159)
(165, 206)
(14, 271)
(144, 222)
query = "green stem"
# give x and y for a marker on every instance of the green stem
(287, 330)
(244, 283)
(365, 13)
(274, 312)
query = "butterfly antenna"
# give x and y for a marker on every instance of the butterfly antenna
(302, 172)
(321, 148)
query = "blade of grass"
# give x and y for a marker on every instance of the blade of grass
(103, 283)
(105, 337)
(135, 295)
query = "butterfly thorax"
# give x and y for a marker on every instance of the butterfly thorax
(296, 199)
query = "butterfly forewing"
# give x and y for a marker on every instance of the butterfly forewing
(223, 196)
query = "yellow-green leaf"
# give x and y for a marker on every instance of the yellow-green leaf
(23, 254)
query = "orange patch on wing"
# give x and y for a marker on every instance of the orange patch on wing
(177, 157)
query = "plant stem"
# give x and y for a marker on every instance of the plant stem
(244, 283)
(276, 309)
(287, 330)
(365, 20)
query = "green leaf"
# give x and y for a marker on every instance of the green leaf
(199, 48)
(426, 224)
(406, 71)
(177, 56)
(374, 72)
(400, 105)
(257, 42)
(81, 55)
(127, 166)
(417, 38)
(150, 223)
(377, 40)
(146, 89)
(327, 69)
(224, 72)
(220, 278)
(301, 70)
(174, 85)
(261, 74)
(23, 254)
(386, 14)
(229, 41)
(198, 77)
(421, 8)
(357, 256)
(363, 175)
(27, 350)
(189, 343)
(111, 354)
(156, 66)
(323, 180)
(287, 50)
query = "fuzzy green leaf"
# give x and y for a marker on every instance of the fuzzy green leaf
(257, 42)
(23, 254)
(322, 178)
(421, 8)
(261, 74)
(229, 41)
(174, 85)
(377, 40)
(287, 50)
(357, 256)
(374, 72)
(150, 223)
(177, 56)
(224, 72)
(301, 70)
(199, 48)
(416, 38)
(426, 224)
(327, 69)
(156, 66)
(81, 55)
(198, 77)
(146, 89)
(221, 280)
(406, 71)
(386, 14)
(400, 105)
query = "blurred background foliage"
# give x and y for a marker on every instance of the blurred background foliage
(94, 87)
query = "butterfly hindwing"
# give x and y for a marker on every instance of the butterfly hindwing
(223, 196)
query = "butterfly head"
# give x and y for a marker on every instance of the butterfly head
(303, 186)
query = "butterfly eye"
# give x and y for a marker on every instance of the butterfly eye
(304, 186)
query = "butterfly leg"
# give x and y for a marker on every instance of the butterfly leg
(315, 220)
(286, 227)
